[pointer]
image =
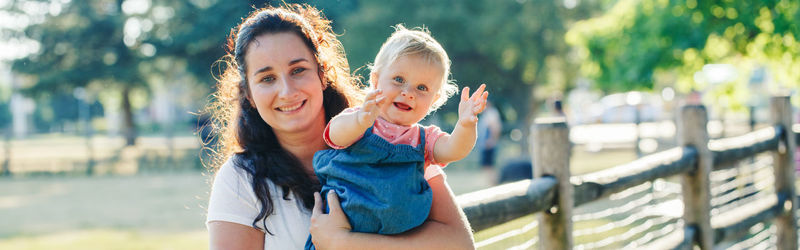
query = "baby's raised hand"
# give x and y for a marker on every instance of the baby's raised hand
(369, 110)
(471, 106)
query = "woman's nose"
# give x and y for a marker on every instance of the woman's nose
(287, 89)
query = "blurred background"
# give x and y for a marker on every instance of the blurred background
(102, 132)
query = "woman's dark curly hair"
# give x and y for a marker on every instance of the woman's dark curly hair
(243, 136)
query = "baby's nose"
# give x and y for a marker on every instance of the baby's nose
(409, 96)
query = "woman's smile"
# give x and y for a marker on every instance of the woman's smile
(292, 107)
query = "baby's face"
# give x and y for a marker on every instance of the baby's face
(410, 85)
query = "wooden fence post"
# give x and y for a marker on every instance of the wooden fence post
(783, 160)
(551, 153)
(692, 124)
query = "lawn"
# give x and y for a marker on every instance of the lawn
(145, 211)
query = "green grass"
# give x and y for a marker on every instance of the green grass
(505, 227)
(114, 210)
(109, 239)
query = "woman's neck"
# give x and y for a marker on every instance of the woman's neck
(303, 145)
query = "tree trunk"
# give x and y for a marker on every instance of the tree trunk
(6, 167)
(128, 127)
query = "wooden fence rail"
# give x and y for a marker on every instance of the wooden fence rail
(728, 151)
(496, 205)
(593, 186)
(555, 193)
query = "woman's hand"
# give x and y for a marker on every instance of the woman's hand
(331, 229)
(470, 106)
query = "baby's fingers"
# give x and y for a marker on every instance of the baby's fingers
(464, 94)
(373, 99)
(372, 95)
(380, 99)
(370, 103)
(482, 102)
(479, 92)
(371, 107)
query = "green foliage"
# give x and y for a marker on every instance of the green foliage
(108, 46)
(641, 43)
(113, 46)
(80, 45)
(512, 46)
(193, 35)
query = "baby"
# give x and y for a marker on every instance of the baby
(381, 156)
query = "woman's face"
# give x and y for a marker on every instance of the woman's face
(284, 82)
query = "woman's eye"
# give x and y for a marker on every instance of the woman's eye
(268, 79)
(399, 79)
(298, 71)
(422, 88)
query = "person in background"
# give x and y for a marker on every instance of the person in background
(558, 108)
(797, 152)
(490, 127)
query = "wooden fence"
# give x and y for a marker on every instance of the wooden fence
(553, 193)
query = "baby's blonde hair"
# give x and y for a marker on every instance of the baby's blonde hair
(416, 41)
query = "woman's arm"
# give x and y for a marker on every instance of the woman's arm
(229, 235)
(446, 227)
(231, 207)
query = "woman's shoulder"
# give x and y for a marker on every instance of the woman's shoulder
(233, 171)
(230, 170)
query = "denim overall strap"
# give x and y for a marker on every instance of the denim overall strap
(420, 146)
(381, 186)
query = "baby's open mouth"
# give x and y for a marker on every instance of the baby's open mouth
(402, 106)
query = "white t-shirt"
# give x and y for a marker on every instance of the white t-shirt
(233, 200)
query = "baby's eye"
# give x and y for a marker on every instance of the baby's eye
(422, 88)
(399, 79)
(298, 71)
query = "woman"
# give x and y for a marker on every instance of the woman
(286, 77)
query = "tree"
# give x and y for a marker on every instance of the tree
(125, 46)
(84, 46)
(641, 43)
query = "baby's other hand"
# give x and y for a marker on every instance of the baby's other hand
(369, 110)
(470, 106)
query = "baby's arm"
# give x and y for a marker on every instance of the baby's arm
(346, 128)
(457, 145)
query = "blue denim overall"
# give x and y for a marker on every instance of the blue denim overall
(381, 186)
